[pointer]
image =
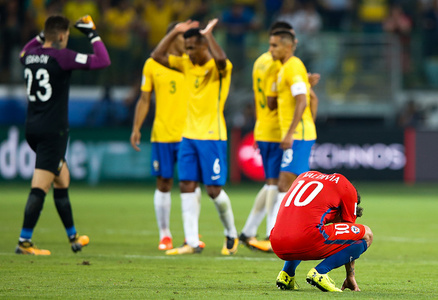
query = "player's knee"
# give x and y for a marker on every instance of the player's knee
(164, 185)
(368, 237)
(213, 191)
(187, 186)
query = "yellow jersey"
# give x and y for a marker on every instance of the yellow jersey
(292, 80)
(208, 91)
(264, 77)
(170, 101)
(118, 27)
(74, 10)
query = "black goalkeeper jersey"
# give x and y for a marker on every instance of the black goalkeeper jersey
(47, 75)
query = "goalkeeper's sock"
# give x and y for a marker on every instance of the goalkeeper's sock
(290, 267)
(63, 206)
(162, 204)
(34, 205)
(256, 215)
(344, 256)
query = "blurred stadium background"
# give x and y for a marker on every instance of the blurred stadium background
(378, 60)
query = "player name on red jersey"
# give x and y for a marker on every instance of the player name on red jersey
(329, 177)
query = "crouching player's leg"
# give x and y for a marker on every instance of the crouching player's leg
(286, 277)
(356, 238)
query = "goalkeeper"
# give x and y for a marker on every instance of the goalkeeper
(48, 65)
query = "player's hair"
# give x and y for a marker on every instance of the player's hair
(54, 25)
(284, 35)
(280, 25)
(194, 32)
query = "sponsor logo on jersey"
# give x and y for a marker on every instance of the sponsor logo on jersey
(355, 229)
(81, 58)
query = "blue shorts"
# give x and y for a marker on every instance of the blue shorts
(203, 161)
(271, 156)
(164, 156)
(296, 160)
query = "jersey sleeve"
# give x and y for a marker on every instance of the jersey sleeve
(228, 68)
(31, 44)
(348, 202)
(72, 60)
(176, 62)
(147, 79)
(298, 84)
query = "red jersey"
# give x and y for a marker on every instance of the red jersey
(313, 200)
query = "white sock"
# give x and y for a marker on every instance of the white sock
(189, 205)
(276, 206)
(257, 213)
(198, 196)
(162, 204)
(274, 213)
(271, 200)
(223, 206)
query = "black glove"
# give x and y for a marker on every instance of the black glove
(87, 27)
(40, 37)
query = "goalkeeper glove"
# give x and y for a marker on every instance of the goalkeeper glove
(40, 37)
(87, 27)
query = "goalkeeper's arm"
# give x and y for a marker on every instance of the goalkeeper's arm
(87, 27)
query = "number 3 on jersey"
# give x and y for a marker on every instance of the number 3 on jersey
(42, 77)
(298, 191)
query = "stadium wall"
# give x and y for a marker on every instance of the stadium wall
(97, 155)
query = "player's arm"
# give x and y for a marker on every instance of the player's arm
(350, 279)
(272, 103)
(313, 104)
(300, 106)
(217, 52)
(313, 78)
(100, 59)
(36, 41)
(160, 53)
(141, 111)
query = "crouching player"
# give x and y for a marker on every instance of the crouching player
(316, 220)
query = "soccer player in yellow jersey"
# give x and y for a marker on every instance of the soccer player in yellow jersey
(203, 153)
(298, 132)
(268, 137)
(170, 116)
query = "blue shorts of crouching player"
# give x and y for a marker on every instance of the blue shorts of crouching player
(271, 156)
(296, 160)
(203, 161)
(164, 156)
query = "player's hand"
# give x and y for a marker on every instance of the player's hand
(255, 145)
(313, 78)
(184, 26)
(287, 142)
(350, 283)
(87, 27)
(209, 28)
(135, 140)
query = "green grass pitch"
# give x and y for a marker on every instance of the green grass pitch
(122, 260)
